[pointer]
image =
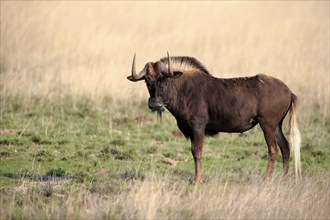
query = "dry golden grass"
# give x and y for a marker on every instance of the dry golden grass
(220, 199)
(158, 198)
(86, 48)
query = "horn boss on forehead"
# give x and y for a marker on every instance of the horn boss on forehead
(161, 67)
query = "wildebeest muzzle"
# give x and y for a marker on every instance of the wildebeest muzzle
(155, 104)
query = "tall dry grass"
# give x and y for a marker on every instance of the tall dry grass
(54, 49)
(159, 198)
(222, 199)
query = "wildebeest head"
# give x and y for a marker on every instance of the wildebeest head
(156, 76)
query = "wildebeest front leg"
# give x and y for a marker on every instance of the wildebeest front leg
(196, 149)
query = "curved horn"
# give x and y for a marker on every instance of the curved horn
(133, 66)
(169, 65)
(136, 77)
(167, 71)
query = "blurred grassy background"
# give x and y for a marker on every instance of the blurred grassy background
(85, 49)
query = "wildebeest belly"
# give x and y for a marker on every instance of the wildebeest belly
(236, 118)
(230, 125)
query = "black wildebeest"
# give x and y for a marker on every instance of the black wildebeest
(205, 105)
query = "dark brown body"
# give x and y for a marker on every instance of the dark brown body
(227, 105)
(205, 105)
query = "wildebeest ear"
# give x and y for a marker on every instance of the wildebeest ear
(177, 74)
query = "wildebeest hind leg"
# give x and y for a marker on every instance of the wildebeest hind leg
(269, 134)
(285, 150)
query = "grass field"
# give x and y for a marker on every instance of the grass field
(78, 141)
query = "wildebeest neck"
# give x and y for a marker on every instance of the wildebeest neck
(179, 91)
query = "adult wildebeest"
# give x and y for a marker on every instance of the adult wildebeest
(205, 105)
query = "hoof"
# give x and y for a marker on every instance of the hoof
(196, 182)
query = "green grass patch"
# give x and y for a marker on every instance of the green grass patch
(72, 138)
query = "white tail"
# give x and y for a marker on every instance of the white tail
(295, 138)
